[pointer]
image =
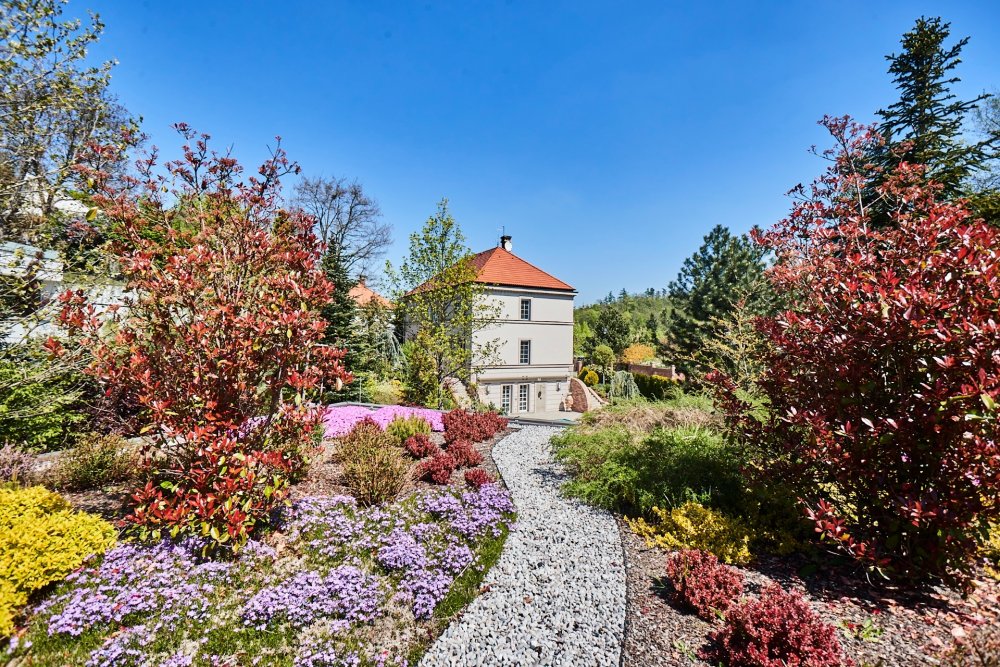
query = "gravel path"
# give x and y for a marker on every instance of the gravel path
(557, 594)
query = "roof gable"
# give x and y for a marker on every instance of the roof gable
(498, 266)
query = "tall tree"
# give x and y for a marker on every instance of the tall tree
(706, 291)
(441, 303)
(925, 126)
(348, 221)
(612, 329)
(985, 199)
(341, 315)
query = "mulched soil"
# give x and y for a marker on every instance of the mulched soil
(908, 629)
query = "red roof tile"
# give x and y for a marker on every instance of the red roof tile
(363, 295)
(497, 266)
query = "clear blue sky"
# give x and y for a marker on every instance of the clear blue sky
(607, 137)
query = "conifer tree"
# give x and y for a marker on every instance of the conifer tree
(341, 321)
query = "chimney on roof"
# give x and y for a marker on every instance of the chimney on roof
(362, 279)
(505, 243)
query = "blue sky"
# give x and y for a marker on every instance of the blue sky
(608, 138)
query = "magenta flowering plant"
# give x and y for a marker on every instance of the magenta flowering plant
(338, 420)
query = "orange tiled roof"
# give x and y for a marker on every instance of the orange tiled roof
(497, 266)
(363, 295)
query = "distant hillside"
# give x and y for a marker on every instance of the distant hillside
(637, 309)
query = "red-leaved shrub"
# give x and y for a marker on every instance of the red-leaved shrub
(461, 424)
(438, 468)
(778, 629)
(464, 453)
(419, 446)
(882, 377)
(477, 478)
(220, 342)
(702, 583)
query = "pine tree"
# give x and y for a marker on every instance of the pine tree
(705, 292)
(925, 126)
(652, 326)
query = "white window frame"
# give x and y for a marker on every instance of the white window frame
(507, 398)
(526, 303)
(520, 353)
(523, 397)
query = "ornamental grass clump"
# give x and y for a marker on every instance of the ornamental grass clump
(41, 541)
(703, 584)
(882, 378)
(221, 342)
(778, 629)
(375, 469)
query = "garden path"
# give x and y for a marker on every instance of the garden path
(557, 595)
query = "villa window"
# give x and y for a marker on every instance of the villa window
(525, 309)
(523, 392)
(505, 401)
(525, 356)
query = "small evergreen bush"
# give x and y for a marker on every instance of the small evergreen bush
(41, 541)
(694, 526)
(401, 428)
(95, 462)
(590, 378)
(657, 388)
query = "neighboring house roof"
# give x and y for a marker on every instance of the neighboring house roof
(498, 266)
(363, 295)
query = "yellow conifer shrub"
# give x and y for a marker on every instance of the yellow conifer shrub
(42, 539)
(694, 526)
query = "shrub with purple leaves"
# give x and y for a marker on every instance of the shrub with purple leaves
(419, 446)
(464, 454)
(702, 583)
(15, 465)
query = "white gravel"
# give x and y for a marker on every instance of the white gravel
(557, 594)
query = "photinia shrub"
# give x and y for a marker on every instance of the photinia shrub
(220, 337)
(778, 629)
(883, 374)
(702, 583)
(464, 454)
(438, 468)
(477, 478)
(419, 446)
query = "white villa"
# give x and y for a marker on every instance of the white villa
(535, 330)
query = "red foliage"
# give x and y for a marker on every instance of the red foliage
(464, 453)
(461, 424)
(477, 478)
(438, 468)
(220, 342)
(777, 630)
(419, 446)
(702, 583)
(883, 374)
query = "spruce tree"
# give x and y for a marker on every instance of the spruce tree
(341, 319)
(705, 292)
(925, 126)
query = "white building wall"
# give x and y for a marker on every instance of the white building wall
(550, 331)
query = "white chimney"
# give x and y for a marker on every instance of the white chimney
(505, 243)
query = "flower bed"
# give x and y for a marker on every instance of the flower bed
(338, 420)
(347, 586)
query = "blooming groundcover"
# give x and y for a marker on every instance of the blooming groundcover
(346, 586)
(338, 420)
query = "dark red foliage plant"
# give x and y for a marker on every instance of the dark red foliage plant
(462, 424)
(702, 583)
(778, 629)
(478, 478)
(220, 338)
(883, 373)
(419, 446)
(464, 454)
(437, 468)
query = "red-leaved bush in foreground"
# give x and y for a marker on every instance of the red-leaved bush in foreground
(437, 468)
(220, 339)
(702, 583)
(464, 453)
(419, 446)
(778, 629)
(477, 478)
(883, 374)
(461, 424)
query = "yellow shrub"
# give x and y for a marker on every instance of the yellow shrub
(638, 353)
(693, 526)
(41, 541)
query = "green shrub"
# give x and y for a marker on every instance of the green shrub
(41, 541)
(657, 388)
(96, 461)
(402, 428)
(375, 470)
(41, 404)
(618, 469)
(384, 393)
